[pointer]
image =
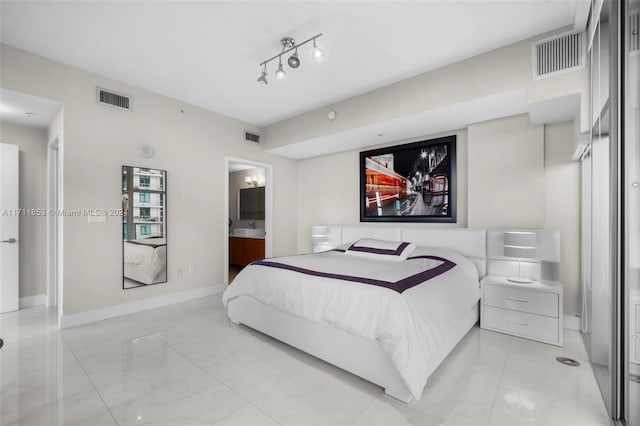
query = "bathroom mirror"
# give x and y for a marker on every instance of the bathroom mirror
(144, 226)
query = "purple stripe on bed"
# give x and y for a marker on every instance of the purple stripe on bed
(397, 252)
(399, 286)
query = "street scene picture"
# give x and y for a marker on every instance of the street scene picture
(412, 182)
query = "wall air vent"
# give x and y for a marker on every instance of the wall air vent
(111, 98)
(634, 32)
(558, 54)
(251, 137)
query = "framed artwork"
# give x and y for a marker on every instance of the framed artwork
(414, 182)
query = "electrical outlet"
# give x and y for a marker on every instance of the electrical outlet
(191, 271)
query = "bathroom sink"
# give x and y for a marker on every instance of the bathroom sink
(248, 232)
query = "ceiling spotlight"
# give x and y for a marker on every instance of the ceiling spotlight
(280, 74)
(288, 45)
(294, 61)
(263, 75)
(317, 52)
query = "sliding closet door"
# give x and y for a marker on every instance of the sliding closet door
(585, 182)
(631, 86)
(598, 291)
(601, 291)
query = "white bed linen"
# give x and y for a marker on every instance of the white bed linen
(150, 260)
(409, 325)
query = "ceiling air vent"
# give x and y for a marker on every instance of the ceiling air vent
(111, 98)
(251, 137)
(558, 54)
(634, 32)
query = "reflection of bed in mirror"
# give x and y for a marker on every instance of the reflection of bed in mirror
(144, 226)
(145, 261)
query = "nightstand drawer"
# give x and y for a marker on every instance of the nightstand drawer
(521, 323)
(533, 302)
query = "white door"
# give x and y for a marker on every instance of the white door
(9, 215)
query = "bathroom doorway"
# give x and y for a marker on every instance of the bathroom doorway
(248, 214)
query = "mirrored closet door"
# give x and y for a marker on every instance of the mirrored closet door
(631, 185)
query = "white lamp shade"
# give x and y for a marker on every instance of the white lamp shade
(520, 252)
(520, 244)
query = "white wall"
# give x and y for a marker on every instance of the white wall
(506, 174)
(562, 206)
(511, 174)
(497, 71)
(328, 190)
(32, 163)
(191, 146)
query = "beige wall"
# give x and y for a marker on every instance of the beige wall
(190, 145)
(511, 174)
(506, 174)
(562, 206)
(500, 70)
(328, 189)
(32, 163)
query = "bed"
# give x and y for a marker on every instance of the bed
(145, 260)
(391, 323)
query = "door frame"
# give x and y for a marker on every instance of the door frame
(268, 206)
(55, 213)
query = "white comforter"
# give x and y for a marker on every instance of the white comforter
(409, 325)
(151, 257)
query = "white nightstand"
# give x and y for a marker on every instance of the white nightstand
(533, 311)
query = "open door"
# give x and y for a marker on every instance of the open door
(9, 216)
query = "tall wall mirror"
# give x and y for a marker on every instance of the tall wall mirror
(144, 226)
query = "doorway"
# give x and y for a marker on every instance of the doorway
(53, 223)
(248, 214)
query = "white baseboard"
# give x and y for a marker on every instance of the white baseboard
(87, 317)
(32, 301)
(571, 322)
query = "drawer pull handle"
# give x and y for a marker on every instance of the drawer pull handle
(518, 300)
(518, 323)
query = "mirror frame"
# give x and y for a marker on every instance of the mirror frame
(154, 249)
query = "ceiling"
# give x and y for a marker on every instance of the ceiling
(207, 53)
(25, 110)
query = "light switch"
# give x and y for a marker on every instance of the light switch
(97, 218)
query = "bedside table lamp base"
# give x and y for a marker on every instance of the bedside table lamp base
(520, 280)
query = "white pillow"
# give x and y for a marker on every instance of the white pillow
(395, 251)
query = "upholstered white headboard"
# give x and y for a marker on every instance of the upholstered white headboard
(471, 243)
(483, 247)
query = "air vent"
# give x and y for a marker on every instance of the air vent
(558, 54)
(251, 137)
(111, 98)
(634, 32)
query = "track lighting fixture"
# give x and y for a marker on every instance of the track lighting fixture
(317, 52)
(263, 76)
(294, 61)
(280, 74)
(289, 44)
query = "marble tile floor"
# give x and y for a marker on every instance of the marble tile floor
(186, 364)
